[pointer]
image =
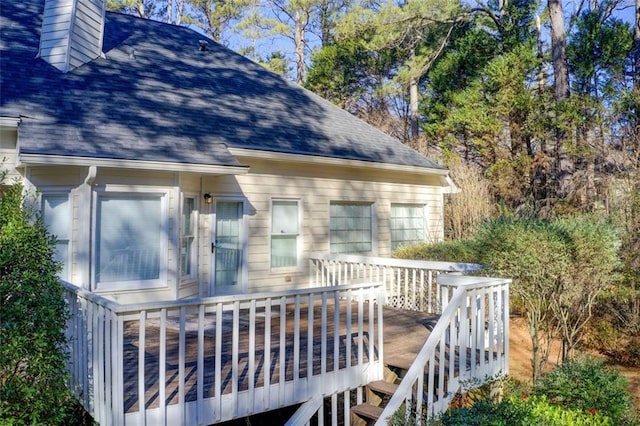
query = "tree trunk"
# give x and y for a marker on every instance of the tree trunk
(141, 11)
(540, 56)
(636, 52)
(325, 25)
(564, 166)
(413, 110)
(558, 50)
(179, 12)
(301, 19)
(536, 362)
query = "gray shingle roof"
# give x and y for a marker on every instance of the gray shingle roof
(157, 97)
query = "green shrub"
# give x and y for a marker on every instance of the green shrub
(537, 257)
(447, 251)
(587, 384)
(522, 411)
(32, 320)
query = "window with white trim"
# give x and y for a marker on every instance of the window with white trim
(350, 228)
(188, 245)
(56, 214)
(407, 224)
(285, 233)
(130, 240)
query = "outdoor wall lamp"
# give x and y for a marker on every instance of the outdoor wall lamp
(208, 199)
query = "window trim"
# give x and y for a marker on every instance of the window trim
(299, 235)
(374, 223)
(422, 206)
(132, 285)
(61, 191)
(195, 218)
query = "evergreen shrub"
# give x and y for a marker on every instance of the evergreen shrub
(32, 320)
(587, 384)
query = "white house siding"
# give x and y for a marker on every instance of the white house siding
(316, 186)
(8, 140)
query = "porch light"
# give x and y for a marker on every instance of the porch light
(208, 199)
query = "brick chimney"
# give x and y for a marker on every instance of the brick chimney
(71, 32)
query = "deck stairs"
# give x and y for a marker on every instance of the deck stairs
(377, 395)
(379, 392)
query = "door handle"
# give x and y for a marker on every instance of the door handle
(213, 247)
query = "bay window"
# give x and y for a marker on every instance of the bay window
(130, 240)
(56, 214)
(188, 253)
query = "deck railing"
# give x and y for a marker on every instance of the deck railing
(209, 360)
(409, 284)
(203, 361)
(469, 341)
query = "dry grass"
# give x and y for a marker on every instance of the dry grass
(468, 208)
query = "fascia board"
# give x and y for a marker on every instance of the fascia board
(9, 122)
(341, 162)
(43, 159)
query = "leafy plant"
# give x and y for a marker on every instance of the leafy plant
(522, 411)
(586, 384)
(32, 319)
(583, 392)
(448, 251)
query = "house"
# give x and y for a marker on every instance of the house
(226, 234)
(171, 167)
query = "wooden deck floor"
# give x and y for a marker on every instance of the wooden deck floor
(404, 334)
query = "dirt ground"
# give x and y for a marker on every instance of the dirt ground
(520, 358)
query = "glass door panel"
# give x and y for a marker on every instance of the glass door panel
(227, 247)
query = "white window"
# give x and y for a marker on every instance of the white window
(285, 233)
(407, 224)
(350, 228)
(56, 214)
(130, 240)
(188, 245)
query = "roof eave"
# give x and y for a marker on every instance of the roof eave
(62, 160)
(314, 159)
(9, 122)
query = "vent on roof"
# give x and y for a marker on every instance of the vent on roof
(204, 45)
(71, 32)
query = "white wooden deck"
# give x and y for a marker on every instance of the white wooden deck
(205, 361)
(405, 332)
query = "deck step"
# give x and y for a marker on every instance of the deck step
(367, 411)
(378, 394)
(381, 386)
(401, 363)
